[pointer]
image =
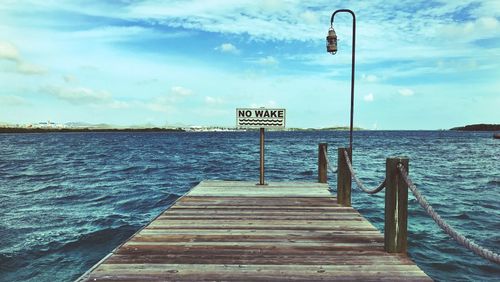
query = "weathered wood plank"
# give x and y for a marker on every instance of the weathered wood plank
(267, 193)
(260, 272)
(246, 189)
(246, 251)
(262, 211)
(243, 184)
(229, 213)
(260, 277)
(233, 231)
(274, 232)
(305, 259)
(327, 201)
(141, 237)
(263, 222)
(259, 217)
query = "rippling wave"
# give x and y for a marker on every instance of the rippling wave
(67, 200)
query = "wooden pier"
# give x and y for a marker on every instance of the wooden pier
(228, 230)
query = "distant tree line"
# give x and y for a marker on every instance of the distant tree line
(478, 127)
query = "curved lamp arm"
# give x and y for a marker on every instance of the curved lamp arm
(343, 11)
(353, 63)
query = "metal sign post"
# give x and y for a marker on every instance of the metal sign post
(260, 118)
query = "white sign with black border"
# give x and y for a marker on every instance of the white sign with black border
(260, 118)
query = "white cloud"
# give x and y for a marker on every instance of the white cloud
(484, 27)
(78, 95)
(369, 77)
(309, 17)
(268, 61)
(117, 33)
(368, 98)
(69, 79)
(213, 100)
(308, 20)
(406, 92)
(227, 48)
(86, 96)
(268, 104)
(13, 100)
(115, 104)
(166, 103)
(180, 91)
(111, 34)
(9, 52)
(258, 19)
(27, 68)
(158, 104)
(415, 31)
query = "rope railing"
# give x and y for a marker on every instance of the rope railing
(358, 181)
(467, 243)
(328, 164)
(396, 183)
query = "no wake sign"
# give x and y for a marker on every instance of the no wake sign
(260, 118)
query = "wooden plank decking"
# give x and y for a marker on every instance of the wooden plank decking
(226, 230)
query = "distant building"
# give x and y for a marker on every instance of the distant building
(197, 128)
(46, 124)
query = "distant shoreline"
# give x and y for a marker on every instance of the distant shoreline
(155, 129)
(478, 127)
(7, 129)
(85, 130)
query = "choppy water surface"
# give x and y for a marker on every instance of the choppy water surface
(68, 199)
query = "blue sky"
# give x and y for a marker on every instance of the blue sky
(420, 64)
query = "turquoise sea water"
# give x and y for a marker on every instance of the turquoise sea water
(67, 199)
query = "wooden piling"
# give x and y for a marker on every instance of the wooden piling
(322, 163)
(343, 178)
(262, 148)
(396, 207)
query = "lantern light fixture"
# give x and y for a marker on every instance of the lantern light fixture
(331, 41)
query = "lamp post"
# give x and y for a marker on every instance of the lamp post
(331, 47)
